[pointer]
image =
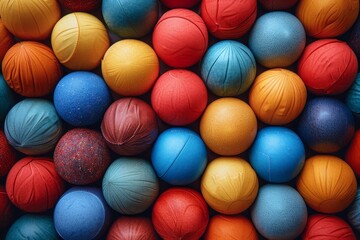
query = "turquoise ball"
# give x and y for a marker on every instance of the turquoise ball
(353, 96)
(7, 98)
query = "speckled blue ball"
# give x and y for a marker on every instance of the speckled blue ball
(326, 125)
(353, 96)
(228, 68)
(353, 213)
(129, 18)
(32, 226)
(179, 156)
(81, 214)
(277, 39)
(277, 154)
(279, 212)
(81, 98)
(7, 98)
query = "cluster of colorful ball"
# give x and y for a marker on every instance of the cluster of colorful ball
(179, 119)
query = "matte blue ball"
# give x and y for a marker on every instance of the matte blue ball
(228, 68)
(179, 156)
(81, 214)
(353, 96)
(279, 212)
(32, 126)
(326, 125)
(353, 214)
(129, 18)
(277, 154)
(7, 98)
(32, 226)
(130, 185)
(81, 98)
(277, 39)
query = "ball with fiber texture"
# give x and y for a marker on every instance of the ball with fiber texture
(130, 67)
(352, 155)
(228, 68)
(353, 96)
(279, 212)
(326, 125)
(32, 126)
(234, 227)
(228, 19)
(31, 69)
(179, 156)
(228, 126)
(81, 5)
(6, 40)
(81, 98)
(7, 213)
(323, 227)
(353, 212)
(82, 213)
(277, 96)
(130, 19)
(81, 156)
(131, 228)
(74, 38)
(179, 97)
(179, 4)
(328, 67)
(327, 18)
(7, 98)
(327, 183)
(229, 185)
(277, 39)
(180, 213)
(32, 226)
(277, 4)
(30, 19)
(33, 184)
(180, 38)
(130, 185)
(7, 155)
(129, 126)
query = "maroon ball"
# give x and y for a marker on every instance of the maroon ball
(81, 156)
(81, 5)
(7, 155)
(135, 228)
(6, 209)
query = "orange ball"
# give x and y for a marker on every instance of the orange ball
(277, 96)
(228, 126)
(327, 184)
(6, 40)
(327, 18)
(31, 69)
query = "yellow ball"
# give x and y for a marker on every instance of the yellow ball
(228, 126)
(130, 67)
(79, 41)
(229, 185)
(30, 19)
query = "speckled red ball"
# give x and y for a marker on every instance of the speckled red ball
(81, 156)
(7, 155)
(6, 209)
(81, 5)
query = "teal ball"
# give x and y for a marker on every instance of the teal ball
(353, 96)
(7, 98)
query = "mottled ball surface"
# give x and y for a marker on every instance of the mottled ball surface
(81, 5)
(132, 228)
(7, 98)
(352, 155)
(7, 155)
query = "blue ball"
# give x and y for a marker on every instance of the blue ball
(277, 154)
(326, 125)
(81, 214)
(81, 98)
(353, 96)
(228, 68)
(32, 126)
(32, 226)
(353, 214)
(129, 18)
(277, 39)
(7, 98)
(179, 156)
(279, 212)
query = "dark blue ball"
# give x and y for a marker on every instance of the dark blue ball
(326, 125)
(81, 98)
(353, 96)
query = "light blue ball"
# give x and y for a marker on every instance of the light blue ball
(81, 214)
(277, 154)
(129, 18)
(353, 214)
(353, 96)
(130, 185)
(7, 98)
(81, 98)
(228, 68)
(32, 126)
(279, 212)
(32, 226)
(277, 39)
(179, 156)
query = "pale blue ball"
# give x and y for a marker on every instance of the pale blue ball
(353, 214)
(7, 98)
(353, 96)
(277, 39)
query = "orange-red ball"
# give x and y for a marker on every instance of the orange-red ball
(352, 156)
(135, 228)
(6, 40)
(7, 155)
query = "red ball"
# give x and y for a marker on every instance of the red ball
(33, 185)
(7, 155)
(324, 227)
(81, 5)
(180, 38)
(81, 156)
(328, 66)
(179, 97)
(6, 209)
(179, 4)
(135, 228)
(180, 213)
(352, 155)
